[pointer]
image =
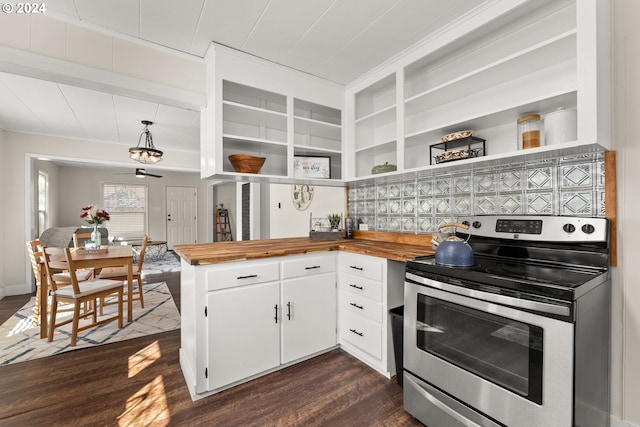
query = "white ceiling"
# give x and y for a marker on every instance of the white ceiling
(338, 40)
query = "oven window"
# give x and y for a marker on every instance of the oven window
(504, 351)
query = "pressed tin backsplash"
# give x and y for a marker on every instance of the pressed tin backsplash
(418, 202)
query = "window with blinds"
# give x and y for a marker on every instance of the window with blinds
(127, 206)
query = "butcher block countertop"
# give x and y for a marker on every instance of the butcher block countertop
(214, 253)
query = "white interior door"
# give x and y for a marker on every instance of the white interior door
(181, 215)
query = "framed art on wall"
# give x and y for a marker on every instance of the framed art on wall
(312, 167)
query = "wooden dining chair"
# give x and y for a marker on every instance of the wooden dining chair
(80, 239)
(34, 248)
(77, 294)
(120, 273)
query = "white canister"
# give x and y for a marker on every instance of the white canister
(561, 126)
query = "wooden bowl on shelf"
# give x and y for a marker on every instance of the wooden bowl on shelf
(245, 163)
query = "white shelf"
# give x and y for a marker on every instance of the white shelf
(532, 57)
(253, 97)
(513, 35)
(254, 122)
(548, 55)
(314, 133)
(317, 113)
(376, 98)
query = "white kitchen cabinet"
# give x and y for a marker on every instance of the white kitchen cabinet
(244, 319)
(263, 109)
(309, 294)
(368, 287)
(243, 333)
(308, 315)
(508, 59)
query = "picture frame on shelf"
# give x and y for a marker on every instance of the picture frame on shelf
(312, 167)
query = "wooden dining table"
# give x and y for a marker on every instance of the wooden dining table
(114, 256)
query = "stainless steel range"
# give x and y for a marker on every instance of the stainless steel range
(521, 338)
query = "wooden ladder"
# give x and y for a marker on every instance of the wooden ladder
(223, 228)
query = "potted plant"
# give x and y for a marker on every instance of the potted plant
(334, 221)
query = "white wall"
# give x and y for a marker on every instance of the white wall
(626, 278)
(17, 150)
(82, 186)
(225, 193)
(3, 206)
(287, 221)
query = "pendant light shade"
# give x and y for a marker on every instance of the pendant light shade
(147, 152)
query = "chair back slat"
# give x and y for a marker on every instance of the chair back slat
(143, 249)
(36, 258)
(58, 259)
(80, 239)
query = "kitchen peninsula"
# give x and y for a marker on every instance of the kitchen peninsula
(252, 307)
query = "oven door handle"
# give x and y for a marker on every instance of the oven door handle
(541, 307)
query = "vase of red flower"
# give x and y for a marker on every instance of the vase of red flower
(95, 217)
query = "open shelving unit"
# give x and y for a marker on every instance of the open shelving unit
(318, 132)
(527, 58)
(262, 109)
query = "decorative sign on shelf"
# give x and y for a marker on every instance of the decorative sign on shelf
(312, 167)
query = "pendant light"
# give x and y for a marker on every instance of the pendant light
(146, 153)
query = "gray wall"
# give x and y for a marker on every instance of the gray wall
(78, 186)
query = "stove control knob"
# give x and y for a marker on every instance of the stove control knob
(465, 222)
(569, 228)
(476, 224)
(588, 228)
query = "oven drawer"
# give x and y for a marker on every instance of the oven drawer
(361, 286)
(361, 306)
(430, 405)
(361, 332)
(361, 265)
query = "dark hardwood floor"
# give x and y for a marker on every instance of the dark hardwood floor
(139, 382)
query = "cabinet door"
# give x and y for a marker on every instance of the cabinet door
(243, 332)
(308, 315)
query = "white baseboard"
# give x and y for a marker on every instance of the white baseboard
(3, 293)
(15, 290)
(617, 422)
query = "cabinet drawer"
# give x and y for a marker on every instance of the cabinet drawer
(306, 266)
(361, 286)
(361, 306)
(362, 266)
(361, 332)
(242, 274)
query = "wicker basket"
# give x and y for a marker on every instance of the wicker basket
(244, 163)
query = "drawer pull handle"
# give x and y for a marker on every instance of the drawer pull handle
(356, 268)
(251, 276)
(356, 286)
(356, 332)
(356, 305)
(276, 308)
(311, 268)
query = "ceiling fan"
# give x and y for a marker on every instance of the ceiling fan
(141, 173)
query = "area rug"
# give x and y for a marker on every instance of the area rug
(20, 340)
(168, 263)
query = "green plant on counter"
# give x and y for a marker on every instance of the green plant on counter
(334, 220)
